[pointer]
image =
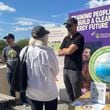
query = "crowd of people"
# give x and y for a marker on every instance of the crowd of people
(42, 66)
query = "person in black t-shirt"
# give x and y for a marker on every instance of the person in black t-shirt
(10, 54)
(72, 48)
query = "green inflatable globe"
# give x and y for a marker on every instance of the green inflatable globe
(99, 65)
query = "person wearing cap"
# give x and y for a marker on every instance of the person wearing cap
(42, 66)
(72, 48)
(10, 54)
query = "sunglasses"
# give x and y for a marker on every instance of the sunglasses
(68, 26)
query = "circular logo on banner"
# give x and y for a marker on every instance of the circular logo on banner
(99, 65)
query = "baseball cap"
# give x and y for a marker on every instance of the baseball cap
(39, 31)
(70, 21)
(9, 36)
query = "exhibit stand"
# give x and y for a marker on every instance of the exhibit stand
(98, 98)
(84, 103)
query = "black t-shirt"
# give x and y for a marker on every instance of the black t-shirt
(11, 55)
(73, 61)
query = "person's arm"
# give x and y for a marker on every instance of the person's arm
(68, 51)
(71, 49)
(3, 57)
(74, 45)
(61, 52)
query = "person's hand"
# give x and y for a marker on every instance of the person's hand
(61, 52)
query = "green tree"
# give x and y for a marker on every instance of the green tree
(2, 45)
(23, 42)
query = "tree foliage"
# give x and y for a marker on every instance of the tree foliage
(23, 42)
(2, 45)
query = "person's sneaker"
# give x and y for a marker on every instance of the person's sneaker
(26, 105)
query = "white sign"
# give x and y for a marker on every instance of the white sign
(98, 93)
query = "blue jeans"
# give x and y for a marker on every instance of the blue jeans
(38, 105)
(9, 78)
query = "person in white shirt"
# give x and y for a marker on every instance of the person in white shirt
(42, 67)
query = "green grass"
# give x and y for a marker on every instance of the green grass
(55, 46)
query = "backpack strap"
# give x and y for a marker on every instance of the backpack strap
(25, 54)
